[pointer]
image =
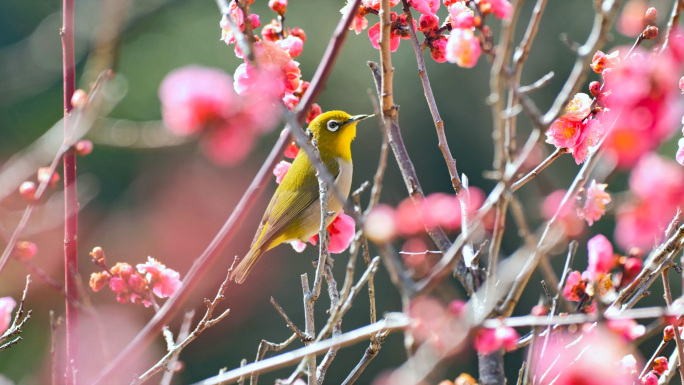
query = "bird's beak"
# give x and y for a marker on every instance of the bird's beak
(358, 118)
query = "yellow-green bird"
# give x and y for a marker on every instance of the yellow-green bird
(294, 212)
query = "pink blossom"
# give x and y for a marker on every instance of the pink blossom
(341, 231)
(375, 4)
(594, 203)
(278, 6)
(592, 132)
(380, 224)
(629, 329)
(292, 45)
(359, 22)
(427, 23)
(414, 254)
(298, 245)
(502, 9)
(578, 108)
(426, 7)
(681, 84)
(194, 98)
(564, 133)
(461, 16)
(164, 281)
(575, 287)
(631, 269)
(438, 49)
(628, 364)
(229, 146)
(587, 359)
(7, 304)
(631, 22)
(290, 101)
(277, 67)
(374, 35)
(463, 48)
(491, 340)
(25, 250)
(433, 323)
(601, 61)
(314, 111)
(600, 255)
(280, 170)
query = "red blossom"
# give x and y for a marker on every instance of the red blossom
(292, 150)
(660, 365)
(650, 379)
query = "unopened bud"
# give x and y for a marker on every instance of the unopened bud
(660, 365)
(278, 6)
(79, 99)
(98, 256)
(651, 16)
(44, 175)
(28, 191)
(99, 280)
(651, 32)
(25, 250)
(83, 147)
(595, 88)
(298, 32)
(650, 379)
(668, 333)
(539, 310)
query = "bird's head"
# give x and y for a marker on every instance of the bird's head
(334, 132)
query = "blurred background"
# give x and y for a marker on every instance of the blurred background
(144, 193)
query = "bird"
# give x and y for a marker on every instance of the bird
(294, 210)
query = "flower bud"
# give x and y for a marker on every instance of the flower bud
(595, 88)
(660, 365)
(278, 6)
(98, 256)
(465, 379)
(28, 191)
(539, 310)
(25, 250)
(99, 280)
(649, 379)
(83, 147)
(651, 32)
(668, 333)
(456, 307)
(651, 16)
(299, 33)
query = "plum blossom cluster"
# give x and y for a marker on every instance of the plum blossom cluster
(274, 54)
(576, 131)
(462, 46)
(341, 229)
(660, 365)
(638, 99)
(136, 285)
(606, 273)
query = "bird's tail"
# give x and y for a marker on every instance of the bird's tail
(245, 266)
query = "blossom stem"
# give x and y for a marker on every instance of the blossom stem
(677, 334)
(677, 8)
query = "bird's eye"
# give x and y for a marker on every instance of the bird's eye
(333, 125)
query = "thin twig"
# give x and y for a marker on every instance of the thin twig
(673, 21)
(265, 346)
(183, 333)
(678, 337)
(291, 325)
(532, 174)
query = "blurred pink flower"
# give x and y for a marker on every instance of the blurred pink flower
(374, 36)
(567, 217)
(463, 48)
(594, 203)
(650, 379)
(426, 7)
(627, 328)
(589, 358)
(631, 22)
(195, 98)
(500, 8)
(600, 255)
(380, 224)
(314, 111)
(292, 150)
(491, 340)
(658, 187)
(680, 151)
(642, 104)
(461, 16)
(433, 323)
(278, 6)
(375, 4)
(292, 45)
(575, 286)
(359, 23)
(7, 304)
(230, 145)
(280, 170)
(628, 364)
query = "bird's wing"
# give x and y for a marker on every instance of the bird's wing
(296, 192)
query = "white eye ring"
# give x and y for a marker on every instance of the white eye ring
(333, 125)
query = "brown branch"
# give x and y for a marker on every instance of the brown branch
(678, 336)
(432, 104)
(265, 346)
(532, 174)
(673, 21)
(302, 336)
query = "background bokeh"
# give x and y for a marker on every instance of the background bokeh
(143, 198)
